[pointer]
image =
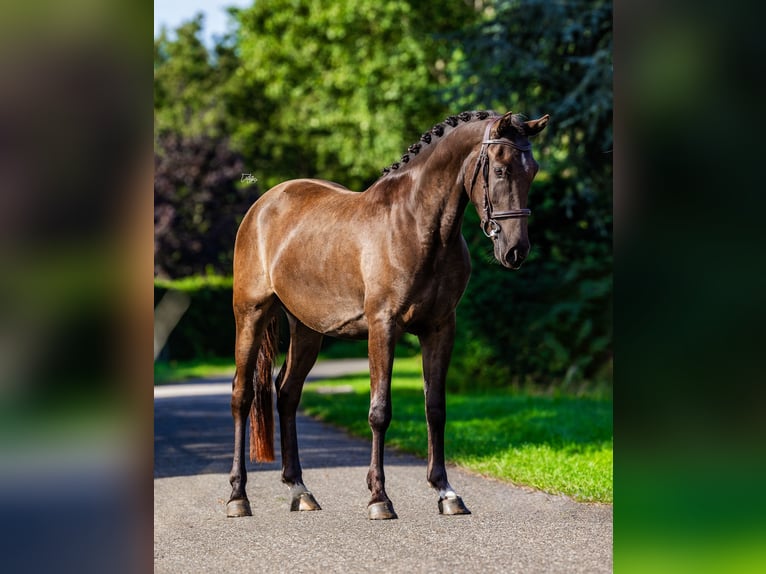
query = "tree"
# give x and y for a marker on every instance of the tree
(348, 84)
(194, 85)
(199, 198)
(545, 56)
(198, 205)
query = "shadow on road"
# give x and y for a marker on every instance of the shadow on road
(194, 435)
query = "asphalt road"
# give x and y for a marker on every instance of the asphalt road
(510, 529)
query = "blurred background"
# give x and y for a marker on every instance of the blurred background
(75, 291)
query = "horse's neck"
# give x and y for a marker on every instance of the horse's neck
(439, 193)
(431, 189)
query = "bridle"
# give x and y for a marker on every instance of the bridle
(488, 223)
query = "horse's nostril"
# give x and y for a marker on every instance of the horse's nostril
(514, 258)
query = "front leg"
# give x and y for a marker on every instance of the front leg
(436, 345)
(382, 338)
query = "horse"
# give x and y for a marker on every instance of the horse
(377, 264)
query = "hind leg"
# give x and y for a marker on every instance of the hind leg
(251, 320)
(301, 356)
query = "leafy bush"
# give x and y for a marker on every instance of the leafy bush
(548, 323)
(198, 204)
(206, 329)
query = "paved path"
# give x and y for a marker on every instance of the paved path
(511, 529)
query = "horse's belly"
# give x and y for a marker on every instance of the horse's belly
(335, 324)
(351, 329)
(331, 309)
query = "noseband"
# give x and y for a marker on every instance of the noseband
(488, 223)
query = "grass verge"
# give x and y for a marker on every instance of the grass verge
(556, 443)
(176, 371)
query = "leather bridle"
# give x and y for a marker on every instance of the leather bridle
(488, 223)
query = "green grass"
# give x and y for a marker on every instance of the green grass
(556, 443)
(195, 282)
(176, 371)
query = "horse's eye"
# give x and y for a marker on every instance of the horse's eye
(499, 171)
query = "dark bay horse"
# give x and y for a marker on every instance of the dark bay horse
(375, 264)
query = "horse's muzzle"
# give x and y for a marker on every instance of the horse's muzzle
(515, 257)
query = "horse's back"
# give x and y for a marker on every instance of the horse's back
(290, 202)
(307, 191)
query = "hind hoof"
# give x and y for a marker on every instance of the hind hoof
(304, 501)
(453, 506)
(381, 511)
(238, 508)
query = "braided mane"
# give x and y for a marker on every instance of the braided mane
(437, 131)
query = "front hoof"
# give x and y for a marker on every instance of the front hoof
(381, 511)
(237, 508)
(304, 501)
(452, 506)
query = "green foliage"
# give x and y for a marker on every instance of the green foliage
(199, 199)
(191, 83)
(542, 56)
(195, 283)
(348, 84)
(174, 371)
(546, 324)
(555, 442)
(551, 321)
(198, 204)
(206, 330)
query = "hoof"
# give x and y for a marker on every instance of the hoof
(237, 508)
(381, 511)
(304, 501)
(452, 506)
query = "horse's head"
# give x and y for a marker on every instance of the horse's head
(500, 185)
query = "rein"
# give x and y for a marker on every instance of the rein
(488, 223)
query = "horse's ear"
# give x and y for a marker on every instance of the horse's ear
(503, 125)
(534, 127)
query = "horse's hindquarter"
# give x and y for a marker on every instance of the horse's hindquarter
(312, 250)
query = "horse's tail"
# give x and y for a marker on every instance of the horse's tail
(262, 409)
